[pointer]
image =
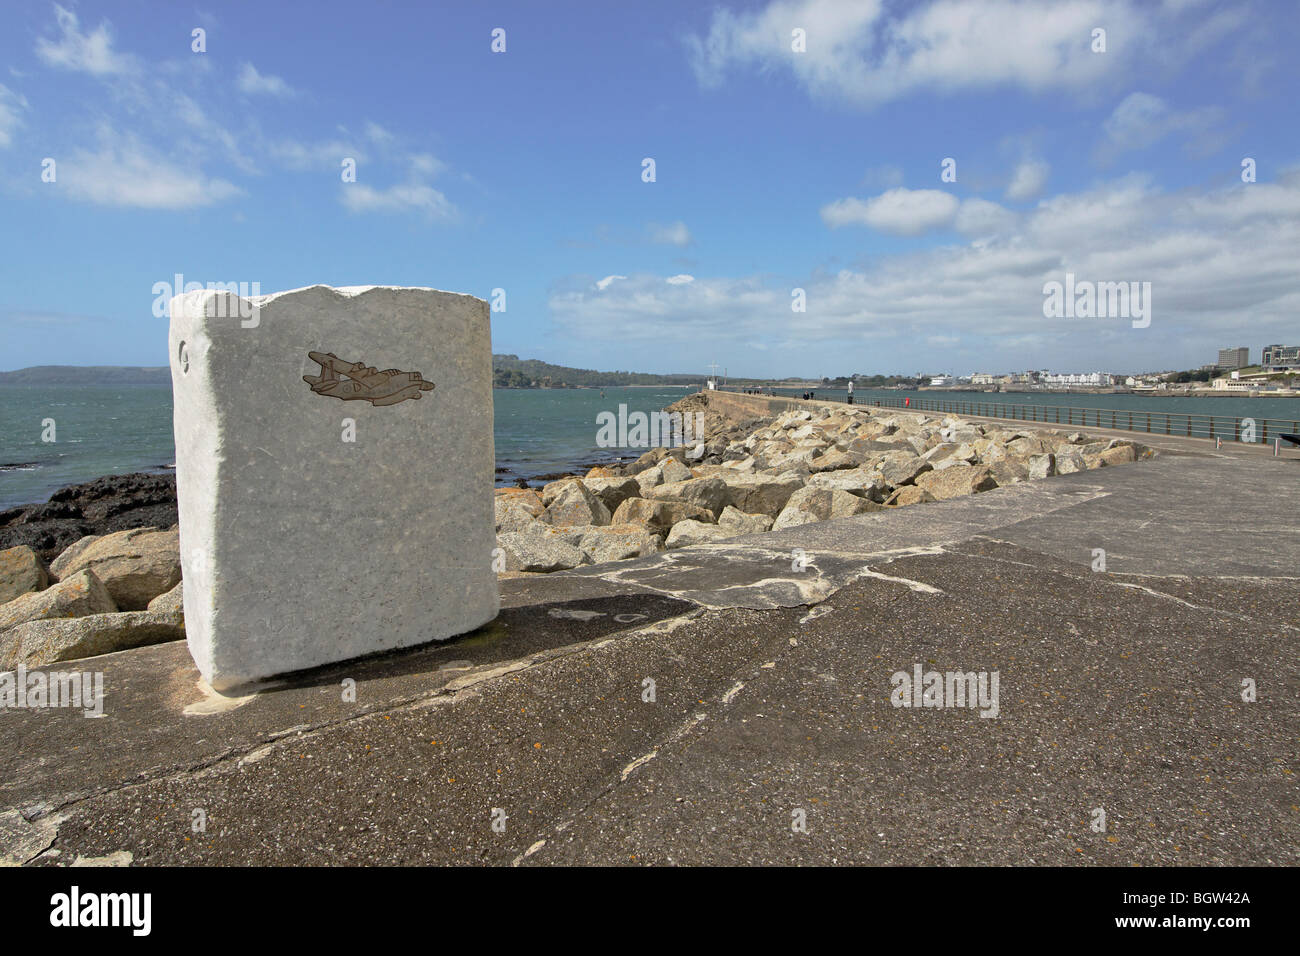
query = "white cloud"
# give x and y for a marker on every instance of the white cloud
(328, 154)
(377, 134)
(426, 164)
(1216, 260)
(11, 104)
(407, 197)
(900, 212)
(254, 83)
(979, 217)
(872, 52)
(85, 52)
(125, 174)
(1028, 180)
(1141, 120)
(672, 234)
(606, 282)
(682, 279)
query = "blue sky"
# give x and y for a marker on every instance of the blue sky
(775, 170)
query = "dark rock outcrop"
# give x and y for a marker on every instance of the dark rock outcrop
(108, 504)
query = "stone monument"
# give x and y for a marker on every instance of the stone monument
(334, 472)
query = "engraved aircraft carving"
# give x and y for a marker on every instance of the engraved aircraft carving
(355, 381)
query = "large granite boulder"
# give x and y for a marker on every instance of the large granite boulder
(135, 566)
(647, 461)
(76, 595)
(835, 460)
(690, 531)
(667, 470)
(960, 431)
(512, 515)
(617, 542)
(958, 480)
(863, 482)
(659, 516)
(673, 470)
(526, 498)
(737, 522)
(551, 489)
(1008, 471)
(898, 470)
(21, 572)
(574, 504)
(1042, 466)
(1119, 455)
(709, 493)
(909, 495)
(538, 551)
(52, 640)
(1069, 461)
(1026, 446)
(811, 504)
(69, 554)
(761, 494)
(170, 605)
(613, 491)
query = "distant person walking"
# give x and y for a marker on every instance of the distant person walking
(850, 391)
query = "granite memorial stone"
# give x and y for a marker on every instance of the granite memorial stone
(334, 465)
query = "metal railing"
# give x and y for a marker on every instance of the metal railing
(1184, 424)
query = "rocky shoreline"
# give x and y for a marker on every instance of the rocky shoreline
(103, 506)
(97, 567)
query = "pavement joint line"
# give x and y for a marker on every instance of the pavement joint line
(1197, 607)
(678, 733)
(917, 586)
(447, 695)
(1110, 575)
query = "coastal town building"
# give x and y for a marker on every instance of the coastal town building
(1234, 357)
(1094, 379)
(1281, 358)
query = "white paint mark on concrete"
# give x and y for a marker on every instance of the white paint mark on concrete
(116, 858)
(819, 611)
(567, 614)
(529, 852)
(919, 586)
(639, 761)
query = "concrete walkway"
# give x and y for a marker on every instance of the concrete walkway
(770, 659)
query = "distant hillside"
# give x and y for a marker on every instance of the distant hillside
(88, 375)
(510, 371)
